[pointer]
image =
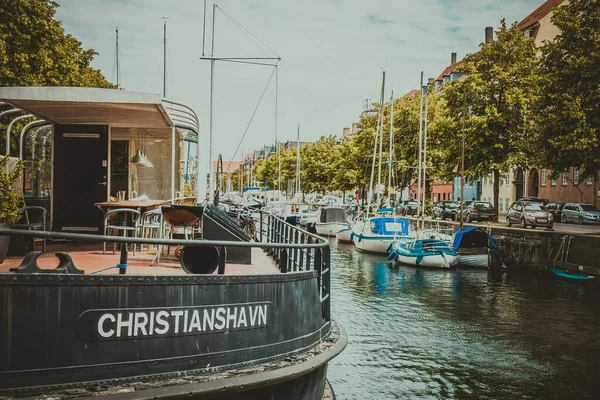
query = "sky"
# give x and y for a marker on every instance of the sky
(333, 53)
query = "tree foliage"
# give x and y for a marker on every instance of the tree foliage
(568, 108)
(496, 93)
(36, 51)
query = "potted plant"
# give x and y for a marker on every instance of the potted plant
(11, 197)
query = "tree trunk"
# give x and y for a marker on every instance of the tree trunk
(496, 175)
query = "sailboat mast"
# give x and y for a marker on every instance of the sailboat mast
(391, 143)
(419, 209)
(425, 156)
(381, 139)
(117, 50)
(165, 59)
(298, 162)
(379, 117)
(210, 120)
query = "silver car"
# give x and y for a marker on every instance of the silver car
(580, 213)
(529, 214)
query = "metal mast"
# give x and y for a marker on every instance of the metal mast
(380, 140)
(379, 124)
(425, 157)
(210, 121)
(419, 208)
(391, 143)
(117, 49)
(165, 59)
(298, 161)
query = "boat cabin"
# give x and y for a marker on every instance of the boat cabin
(84, 146)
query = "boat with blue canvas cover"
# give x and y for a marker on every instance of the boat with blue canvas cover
(432, 253)
(474, 247)
(376, 234)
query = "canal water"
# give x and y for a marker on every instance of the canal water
(431, 334)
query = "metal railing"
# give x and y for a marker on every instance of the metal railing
(301, 251)
(292, 249)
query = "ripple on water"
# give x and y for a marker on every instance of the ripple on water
(459, 334)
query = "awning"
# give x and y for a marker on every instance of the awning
(90, 106)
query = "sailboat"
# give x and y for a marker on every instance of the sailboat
(376, 234)
(427, 248)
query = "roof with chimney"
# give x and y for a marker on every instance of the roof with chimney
(449, 70)
(532, 19)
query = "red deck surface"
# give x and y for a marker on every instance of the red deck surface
(89, 257)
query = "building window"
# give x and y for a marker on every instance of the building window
(501, 205)
(507, 179)
(553, 182)
(543, 178)
(491, 179)
(506, 204)
(589, 180)
(485, 181)
(576, 176)
(565, 178)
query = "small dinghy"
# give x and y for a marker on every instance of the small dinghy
(432, 253)
(572, 275)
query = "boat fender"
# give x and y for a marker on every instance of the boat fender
(418, 260)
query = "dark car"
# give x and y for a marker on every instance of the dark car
(529, 214)
(445, 209)
(408, 207)
(478, 211)
(581, 213)
(555, 209)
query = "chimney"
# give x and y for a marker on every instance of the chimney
(429, 81)
(346, 132)
(489, 34)
(453, 59)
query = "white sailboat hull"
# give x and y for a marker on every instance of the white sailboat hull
(474, 260)
(379, 245)
(330, 228)
(344, 235)
(429, 261)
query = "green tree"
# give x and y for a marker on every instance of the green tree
(497, 92)
(36, 51)
(567, 113)
(318, 165)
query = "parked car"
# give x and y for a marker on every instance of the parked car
(555, 209)
(527, 214)
(408, 207)
(477, 211)
(445, 209)
(533, 199)
(581, 213)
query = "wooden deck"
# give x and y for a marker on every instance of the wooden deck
(89, 257)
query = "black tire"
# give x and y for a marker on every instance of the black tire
(580, 221)
(508, 223)
(523, 224)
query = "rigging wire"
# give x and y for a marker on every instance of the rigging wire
(251, 118)
(246, 32)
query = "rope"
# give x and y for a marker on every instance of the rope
(118, 266)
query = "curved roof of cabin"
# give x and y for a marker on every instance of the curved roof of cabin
(90, 106)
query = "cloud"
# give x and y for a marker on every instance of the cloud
(332, 54)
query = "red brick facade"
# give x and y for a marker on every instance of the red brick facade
(564, 191)
(441, 191)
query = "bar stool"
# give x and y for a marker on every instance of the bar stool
(125, 220)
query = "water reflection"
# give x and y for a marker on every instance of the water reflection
(467, 333)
